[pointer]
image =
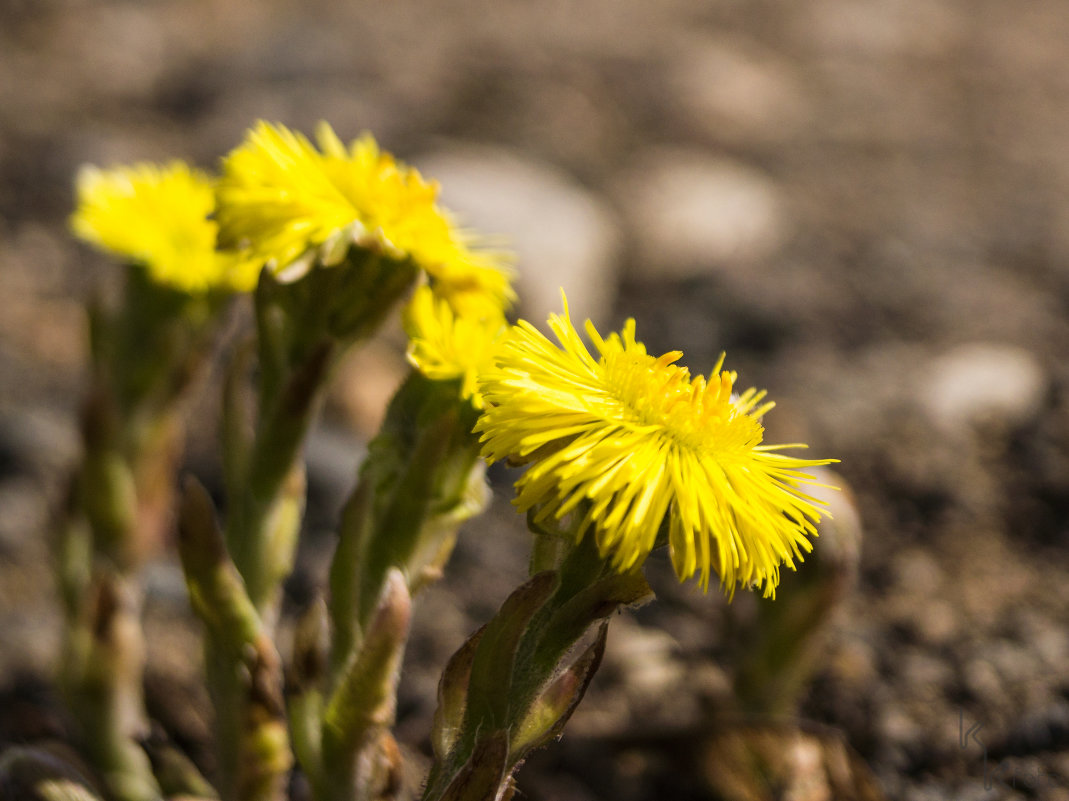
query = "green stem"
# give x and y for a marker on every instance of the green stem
(146, 356)
(103, 665)
(421, 478)
(519, 686)
(361, 709)
(112, 523)
(264, 519)
(304, 693)
(243, 667)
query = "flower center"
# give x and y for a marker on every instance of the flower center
(699, 416)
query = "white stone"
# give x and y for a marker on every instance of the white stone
(692, 214)
(983, 381)
(736, 90)
(645, 657)
(562, 236)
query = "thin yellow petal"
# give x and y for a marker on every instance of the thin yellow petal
(280, 197)
(631, 439)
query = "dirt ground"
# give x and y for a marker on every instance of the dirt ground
(864, 202)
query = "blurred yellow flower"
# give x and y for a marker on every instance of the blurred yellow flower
(158, 216)
(283, 200)
(625, 439)
(444, 345)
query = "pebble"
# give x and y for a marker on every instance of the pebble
(165, 584)
(644, 657)
(897, 726)
(938, 624)
(853, 662)
(37, 441)
(982, 382)
(25, 512)
(919, 571)
(1014, 664)
(982, 679)
(333, 455)
(838, 547)
(561, 234)
(366, 381)
(876, 30)
(1051, 644)
(735, 90)
(692, 213)
(1036, 731)
(29, 634)
(928, 677)
(117, 51)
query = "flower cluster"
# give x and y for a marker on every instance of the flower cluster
(159, 217)
(624, 452)
(632, 444)
(445, 345)
(283, 201)
(627, 440)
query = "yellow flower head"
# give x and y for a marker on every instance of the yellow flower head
(444, 345)
(157, 216)
(281, 198)
(626, 438)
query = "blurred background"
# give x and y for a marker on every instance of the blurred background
(864, 202)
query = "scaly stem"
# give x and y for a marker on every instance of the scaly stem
(513, 687)
(103, 664)
(146, 357)
(244, 670)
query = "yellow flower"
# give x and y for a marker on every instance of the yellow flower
(625, 439)
(284, 200)
(157, 216)
(444, 345)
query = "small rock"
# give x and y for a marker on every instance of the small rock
(1015, 665)
(333, 455)
(876, 30)
(117, 50)
(898, 726)
(853, 661)
(838, 547)
(938, 624)
(982, 679)
(1051, 644)
(692, 213)
(37, 441)
(928, 677)
(1038, 730)
(746, 762)
(736, 91)
(561, 234)
(165, 584)
(25, 512)
(366, 381)
(645, 658)
(983, 382)
(918, 571)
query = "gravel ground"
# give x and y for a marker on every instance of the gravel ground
(866, 204)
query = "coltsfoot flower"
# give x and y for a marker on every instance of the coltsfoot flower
(625, 439)
(286, 202)
(158, 216)
(444, 345)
